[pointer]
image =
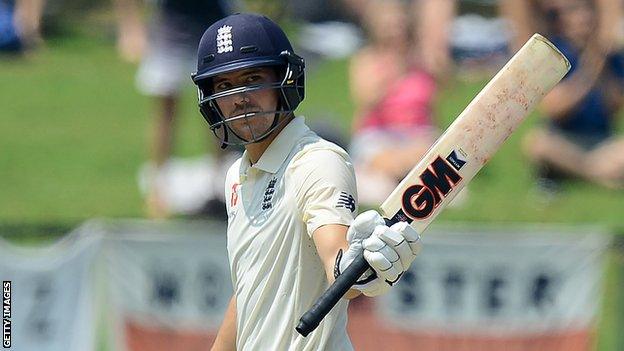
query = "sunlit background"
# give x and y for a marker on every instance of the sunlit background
(511, 265)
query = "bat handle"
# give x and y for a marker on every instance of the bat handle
(313, 317)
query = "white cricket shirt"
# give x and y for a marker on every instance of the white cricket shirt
(300, 183)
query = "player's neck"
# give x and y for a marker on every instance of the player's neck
(255, 150)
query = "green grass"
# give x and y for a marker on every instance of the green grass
(72, 134)
(74, 131)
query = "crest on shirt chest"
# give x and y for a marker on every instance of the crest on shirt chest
(267, 200)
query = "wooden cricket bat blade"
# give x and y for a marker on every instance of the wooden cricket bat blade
(456, 157)
(477, 133)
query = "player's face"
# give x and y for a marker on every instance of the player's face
(251, 113)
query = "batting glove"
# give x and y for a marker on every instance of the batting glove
(388, 250)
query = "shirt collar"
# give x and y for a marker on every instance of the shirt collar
(279, 149)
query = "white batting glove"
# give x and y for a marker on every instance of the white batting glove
(388, 250)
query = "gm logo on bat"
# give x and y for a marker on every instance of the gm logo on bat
(440, 177)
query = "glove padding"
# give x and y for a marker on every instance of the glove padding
(388, 250)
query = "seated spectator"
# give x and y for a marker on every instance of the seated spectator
(578, 139)
(393, 98)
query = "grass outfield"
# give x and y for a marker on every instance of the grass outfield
(73, 133)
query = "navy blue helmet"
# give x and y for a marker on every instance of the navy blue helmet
(243, 41)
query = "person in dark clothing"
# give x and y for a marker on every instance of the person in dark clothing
(578, 139)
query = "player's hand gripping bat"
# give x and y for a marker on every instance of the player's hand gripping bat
(468, 144)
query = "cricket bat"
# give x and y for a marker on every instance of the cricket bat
(456, 157)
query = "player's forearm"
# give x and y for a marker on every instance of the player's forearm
(226, 338)
(329, 271)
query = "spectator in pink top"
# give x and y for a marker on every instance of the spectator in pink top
(393, 95)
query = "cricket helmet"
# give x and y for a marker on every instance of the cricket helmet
(243, 41)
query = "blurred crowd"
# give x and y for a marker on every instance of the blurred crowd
(400, 53)
(578, 137)
(20, 24)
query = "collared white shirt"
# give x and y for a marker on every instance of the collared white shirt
(300, 182)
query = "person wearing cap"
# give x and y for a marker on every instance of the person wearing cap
(291, 198)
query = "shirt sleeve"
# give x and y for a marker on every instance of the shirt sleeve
(327, 194)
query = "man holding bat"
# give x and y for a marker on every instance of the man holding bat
(291, 198)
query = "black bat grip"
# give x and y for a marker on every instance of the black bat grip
(311, 319)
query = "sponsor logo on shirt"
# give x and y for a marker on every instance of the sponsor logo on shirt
(347, 201)
(234, 197)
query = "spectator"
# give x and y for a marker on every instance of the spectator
(175, 29)
(578, 137)
(10, 41)
(393, 97)
(28, 15)
(131, 36)
(433, 20)
(20, 24)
